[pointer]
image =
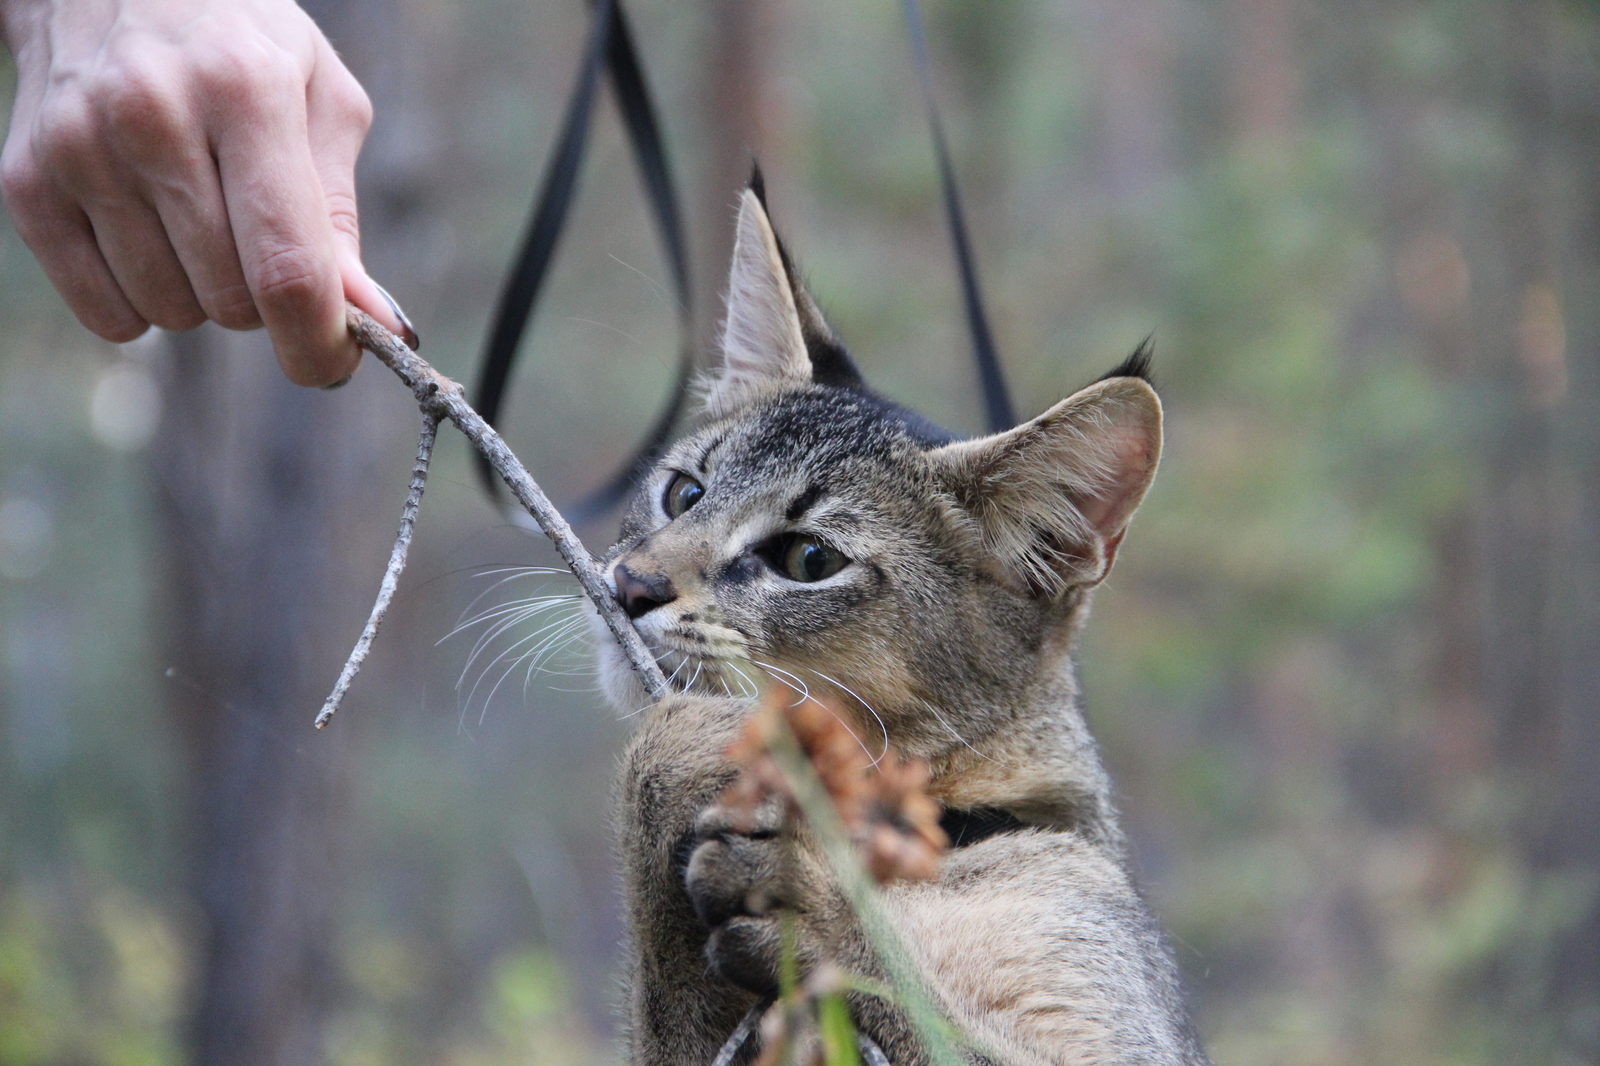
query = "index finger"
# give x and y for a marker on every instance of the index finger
(279, 219)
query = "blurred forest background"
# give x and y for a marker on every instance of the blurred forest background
(1347, 672)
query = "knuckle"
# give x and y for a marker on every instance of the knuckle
(342, 214)
(288, 275)
(64, 138)
(141, 101)
(232, 307)
(21, 180)
(351, 102)
(250, 76)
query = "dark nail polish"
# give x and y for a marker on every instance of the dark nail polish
(408, 332)
(341, 383)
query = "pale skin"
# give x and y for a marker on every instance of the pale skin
(171, 162)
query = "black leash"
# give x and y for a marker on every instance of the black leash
(996, 400)
(609, 45)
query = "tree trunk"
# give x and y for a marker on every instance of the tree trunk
(276, 507)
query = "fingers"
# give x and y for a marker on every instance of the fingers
(58, 233)
(338, 117)
(113, 186)
(141, 139)
(195, 164)
(280, 223)
(194, 216)
(141, 258)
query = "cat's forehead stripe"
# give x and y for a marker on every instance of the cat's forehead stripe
(803, 502)
(711, 446)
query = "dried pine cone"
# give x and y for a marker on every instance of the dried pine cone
(884, 806)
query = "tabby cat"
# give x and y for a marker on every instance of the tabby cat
(819, 533)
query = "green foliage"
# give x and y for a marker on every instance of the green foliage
(88, 975)
(838, 1033)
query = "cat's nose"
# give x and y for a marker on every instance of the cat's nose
(641, 593)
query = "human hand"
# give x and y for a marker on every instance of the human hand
(173, 161)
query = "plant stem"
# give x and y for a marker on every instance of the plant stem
(862, 893)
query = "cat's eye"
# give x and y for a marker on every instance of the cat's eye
(683, 492)
(808, 559)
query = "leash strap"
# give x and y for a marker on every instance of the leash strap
(731, 1048)
(996, 400)
(741, 1034)
(609, 46)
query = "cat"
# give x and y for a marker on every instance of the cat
(815, 532)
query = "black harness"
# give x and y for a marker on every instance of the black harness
(968, 827)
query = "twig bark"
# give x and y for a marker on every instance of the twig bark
(441, 398)
(391, 576)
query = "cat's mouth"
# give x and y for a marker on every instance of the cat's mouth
(708, 659)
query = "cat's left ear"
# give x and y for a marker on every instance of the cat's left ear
(1052, 498)
(773, 337)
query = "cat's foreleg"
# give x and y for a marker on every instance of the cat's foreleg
(760, 883)
(673, 768)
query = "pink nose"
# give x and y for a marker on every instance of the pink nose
(640, 594)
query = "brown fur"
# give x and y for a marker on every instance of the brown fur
(949, 633)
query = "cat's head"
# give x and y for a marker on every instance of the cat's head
(815, 532)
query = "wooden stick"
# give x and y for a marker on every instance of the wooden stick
(441, 398)
(391, 576)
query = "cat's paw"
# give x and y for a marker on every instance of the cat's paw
(740, 876)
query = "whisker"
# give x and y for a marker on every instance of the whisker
(554, 646)
(656, 287)
(788, 680)
(676, 670)
(532, 653)
(487, 638)
(513, 613)
(876, 716)
(533, 603)
(534, 636)
(806, 695)
(935, 712)
(514, 572)
(749, 687)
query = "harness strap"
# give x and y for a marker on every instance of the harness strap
(609, 45)
(996, 400)
(968, 827)
(738, 1047)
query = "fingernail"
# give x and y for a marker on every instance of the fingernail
(342, 382)
(408, 332)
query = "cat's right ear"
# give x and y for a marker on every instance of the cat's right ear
(1052, 498)
(763, 346)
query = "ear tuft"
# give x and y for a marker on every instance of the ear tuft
(1052, 498)
(1136, 365)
